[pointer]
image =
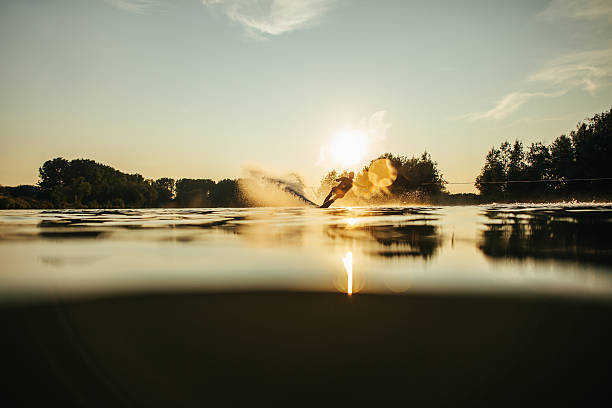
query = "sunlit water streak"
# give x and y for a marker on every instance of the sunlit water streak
(348, 264)
(561, 250)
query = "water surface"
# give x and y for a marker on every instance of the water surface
(552, 250)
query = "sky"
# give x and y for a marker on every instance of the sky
(207, 89)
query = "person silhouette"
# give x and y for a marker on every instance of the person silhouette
(340, 190)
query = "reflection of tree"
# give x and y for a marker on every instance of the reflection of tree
(408, 240)
(581, 234)
(416, 239)
(266, 235)
(268, 230)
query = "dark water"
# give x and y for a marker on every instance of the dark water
(560, 250)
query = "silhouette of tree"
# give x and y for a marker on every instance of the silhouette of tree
(562, 157)
(592, 142)
(516, 171)
(418, 176)
(226, 194)
(79, 189)
(165, 188)
(418, 179)
(85, 183)
(493, 174)
(194, 192)
(53, 173)
(584, 154)
(539, 162)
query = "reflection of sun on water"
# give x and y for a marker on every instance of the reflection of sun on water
(348, 264)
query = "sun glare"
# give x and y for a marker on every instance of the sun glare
(348, 265)
(348, 147)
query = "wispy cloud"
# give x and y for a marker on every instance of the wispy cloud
(509, 104)
(578, 9)
(263, 18)
(132, 6)
(589, 70)
(376, 126)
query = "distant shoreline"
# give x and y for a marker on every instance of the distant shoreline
(574, 168)
(448, 201)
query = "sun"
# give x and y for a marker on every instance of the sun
(348, 147)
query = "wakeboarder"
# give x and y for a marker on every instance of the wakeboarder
(339, 191)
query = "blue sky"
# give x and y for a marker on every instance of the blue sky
(204, 89)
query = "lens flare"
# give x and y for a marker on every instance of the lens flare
(382, 173)
(348, 264)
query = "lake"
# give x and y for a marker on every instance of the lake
(548, 250)
(475, 306)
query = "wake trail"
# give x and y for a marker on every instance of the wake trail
(289, 188)
(293, 187)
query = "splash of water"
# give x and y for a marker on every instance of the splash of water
(264, 187)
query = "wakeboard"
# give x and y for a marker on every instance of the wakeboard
(327, 204)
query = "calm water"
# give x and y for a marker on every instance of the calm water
(541, 250)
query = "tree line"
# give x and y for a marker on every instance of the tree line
(574, 166)
(83, 183)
